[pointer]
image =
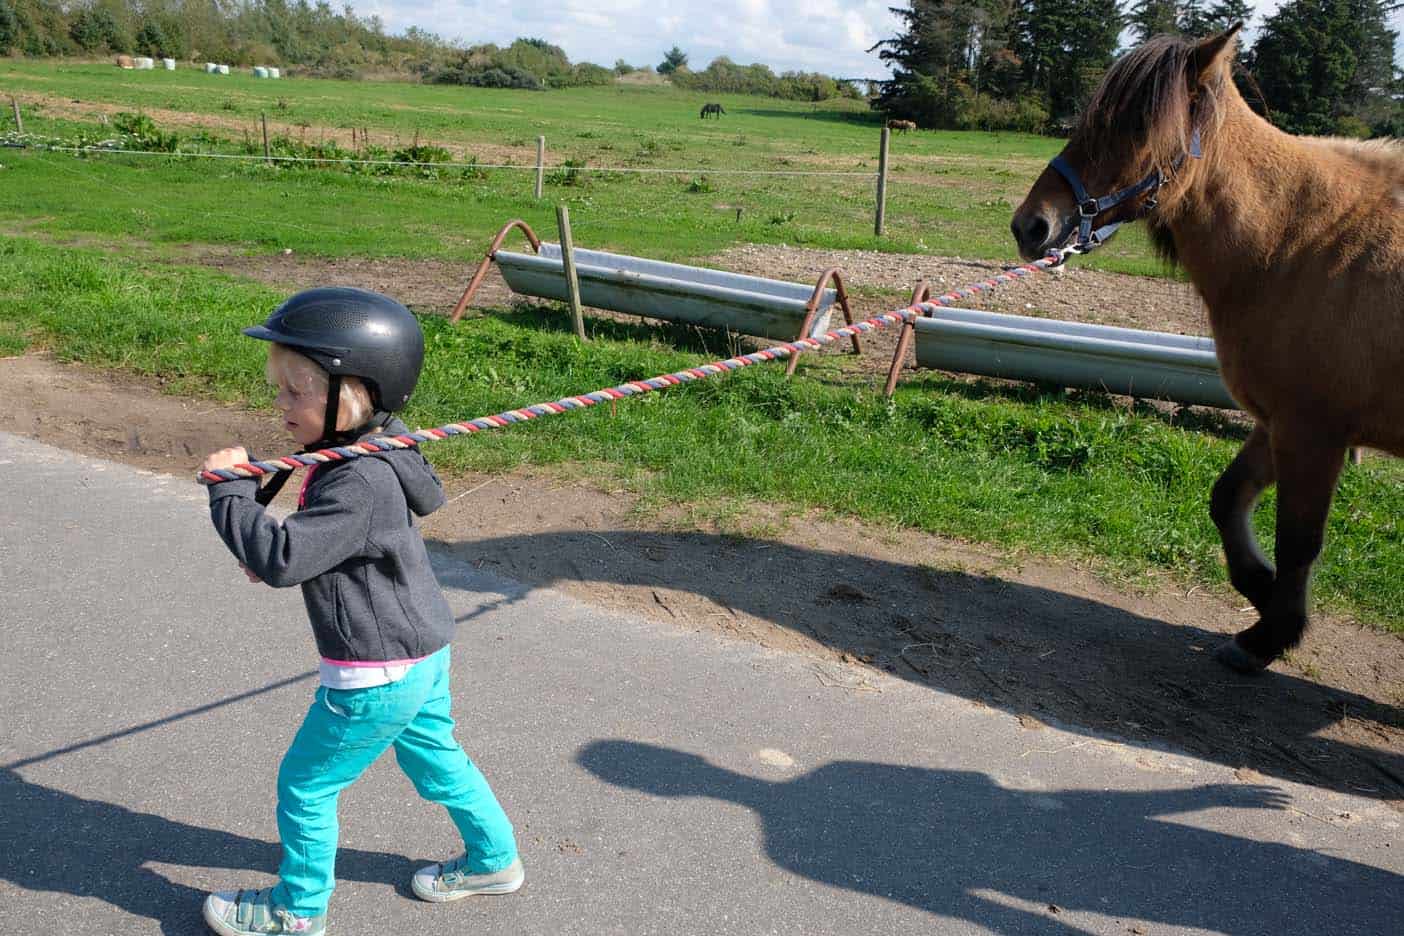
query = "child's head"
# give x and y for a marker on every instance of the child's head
(366, 343)
(302, 396)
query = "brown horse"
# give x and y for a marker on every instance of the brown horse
(1296, 245)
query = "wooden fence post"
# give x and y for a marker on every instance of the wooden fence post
(882, 184)
(19, 121)
(568, 261)
(264, 117)
(540, 164)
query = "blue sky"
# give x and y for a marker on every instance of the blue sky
(829, 36)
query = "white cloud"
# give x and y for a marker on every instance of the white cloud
(830, 36)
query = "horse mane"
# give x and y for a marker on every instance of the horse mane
(1383, 156)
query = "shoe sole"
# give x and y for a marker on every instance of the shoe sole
(506, 887)
(222, 928)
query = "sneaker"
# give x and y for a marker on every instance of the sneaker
(441, 882)
(243, 912)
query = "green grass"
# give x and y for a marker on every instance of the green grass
(1053, 474)
(949, 193)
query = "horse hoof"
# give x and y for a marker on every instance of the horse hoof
(1232, 655)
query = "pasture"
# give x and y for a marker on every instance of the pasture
(103, 265)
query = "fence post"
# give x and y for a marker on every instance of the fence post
(540, 164)
(19, 121)
(882, 184)
(568, 261)
(264, 117)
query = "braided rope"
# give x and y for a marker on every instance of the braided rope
(256, 469)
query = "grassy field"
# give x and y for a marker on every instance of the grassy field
(96, 269)
(949, 193)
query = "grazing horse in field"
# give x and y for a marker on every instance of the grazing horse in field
(901, 126)
(1296, 245)
(712, 108)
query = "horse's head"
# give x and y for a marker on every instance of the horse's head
(1136, 135)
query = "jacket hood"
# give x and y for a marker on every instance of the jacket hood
(424, 492)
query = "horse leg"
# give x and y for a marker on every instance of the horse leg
(1231, 506)
(1307, 471)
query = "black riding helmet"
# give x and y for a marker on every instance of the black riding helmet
(351, 332)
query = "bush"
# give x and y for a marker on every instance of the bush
(95, 29)
(583, 75)
(724, 76)
(495, 76)
(142, 134)
(1349, 125)
(9, 27)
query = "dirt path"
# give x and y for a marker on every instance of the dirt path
(1051, 642)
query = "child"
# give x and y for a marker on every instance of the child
(343, 360)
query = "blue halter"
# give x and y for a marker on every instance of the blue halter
(1088, 207)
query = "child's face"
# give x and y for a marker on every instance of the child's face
(302, 393)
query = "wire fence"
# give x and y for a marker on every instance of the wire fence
(334, 161)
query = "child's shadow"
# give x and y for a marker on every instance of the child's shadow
(56, 841)
(956, 844)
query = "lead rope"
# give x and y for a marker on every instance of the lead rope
(289, 463)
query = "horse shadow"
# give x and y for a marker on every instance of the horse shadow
(64, 843)
(955, 844)
(1072, 661)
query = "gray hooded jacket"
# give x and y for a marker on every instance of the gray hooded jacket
(355, 550)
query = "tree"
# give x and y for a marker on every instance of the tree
(673, 59)
(1327, 66)
(151, 40)
(1194, 20)
(1148, 18)
(953, 61)
(96, 28)
(1066, 47)
(9, 27)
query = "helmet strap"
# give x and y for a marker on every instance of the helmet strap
(331, 437)
(329, 421)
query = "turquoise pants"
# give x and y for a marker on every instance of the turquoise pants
(344, 732)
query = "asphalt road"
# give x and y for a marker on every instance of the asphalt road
(660, 780)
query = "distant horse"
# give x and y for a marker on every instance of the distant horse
(1296, 245)
(712, 108)
(901, 126)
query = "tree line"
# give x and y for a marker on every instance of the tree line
(1314, 66)
(333, 43)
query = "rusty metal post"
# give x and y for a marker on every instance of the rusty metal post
(921, 293)
(882, 183)
(540, 165)
(496, 244)
(811, 310)
(568, 261)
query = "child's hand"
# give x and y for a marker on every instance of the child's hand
(225, 458)
(248, 573)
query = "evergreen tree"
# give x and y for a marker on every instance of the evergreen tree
(1327, 66)
(1066, 47)
(9, 27)
(953, 66)
(673, 59)
(1148, 18)
(1194, 19)
(1224, 13)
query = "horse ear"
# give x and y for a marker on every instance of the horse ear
(1210, 53)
